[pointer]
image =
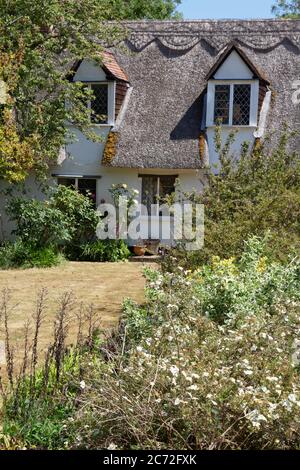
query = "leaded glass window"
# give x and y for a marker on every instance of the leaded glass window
(222, 104)
(241, 105)
(99, 104)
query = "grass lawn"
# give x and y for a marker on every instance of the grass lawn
(105, 285)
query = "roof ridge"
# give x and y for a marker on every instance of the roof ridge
(210, 20)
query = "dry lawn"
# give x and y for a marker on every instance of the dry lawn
(105, 285)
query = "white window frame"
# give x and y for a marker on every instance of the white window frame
(111, 105)
(210, 116)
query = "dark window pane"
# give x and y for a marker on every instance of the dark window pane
(149, 191)
(166, 185)
(99, 104)
(66, 182)
(87, 187)
(222, 101)
(241, 105)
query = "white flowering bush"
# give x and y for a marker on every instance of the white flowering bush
(181, 380)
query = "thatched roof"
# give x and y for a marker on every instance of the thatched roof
(167, 65)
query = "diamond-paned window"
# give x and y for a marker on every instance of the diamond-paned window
(241, 105)
(222, 104)
(99, 104)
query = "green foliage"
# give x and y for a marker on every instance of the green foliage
(40, 394)
(82, 219)
(187, 382)
(102, 251)
(67, 217)
(23, 255)
(138, 323)
(143, 9)
(66, 221)
(38, 223)
(211, 361)
(227, 289)
(258, 193)
(34, 38)
(37, 414)
(43, 427)
(287, 8)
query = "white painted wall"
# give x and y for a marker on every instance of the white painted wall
(89, 71)
(244, 134)
(233, 68)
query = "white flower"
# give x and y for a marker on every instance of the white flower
(172, 307)
(177, 402)
(287, 404)
(139, 349)
(293, 399)
(272, 379)
(174, 371)
(248, 372)
(136, 192)
(272, 407)
(205, 374)
(112, 446)
(193, 387)
(82, 385)
(256, 418)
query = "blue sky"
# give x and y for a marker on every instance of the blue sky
(198, 9)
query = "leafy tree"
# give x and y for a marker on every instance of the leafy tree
(256, 194)
(143, 9)
(39, 41)
(287, 8)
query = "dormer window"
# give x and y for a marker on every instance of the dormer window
(232, 104)
(109, 84)
(99, 104)
(233, 90)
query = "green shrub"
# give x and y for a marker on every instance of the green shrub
(185, 381)
(193, 384)
(79, 212)
(38, 223)
(23, 255)
(256, 194)
(67, 218)
(100, 251)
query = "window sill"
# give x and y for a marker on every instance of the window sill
(227, 126)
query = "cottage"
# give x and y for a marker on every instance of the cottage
(159, 98)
